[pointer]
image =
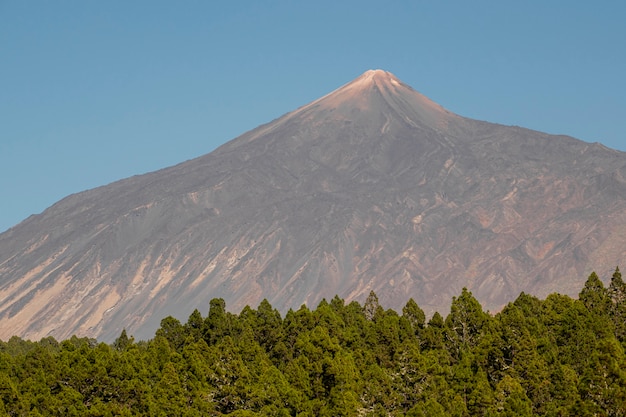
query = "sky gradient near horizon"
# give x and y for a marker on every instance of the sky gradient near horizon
(93, 92)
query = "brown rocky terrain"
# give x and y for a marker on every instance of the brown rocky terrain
(372, 187)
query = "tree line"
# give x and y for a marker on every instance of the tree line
(554, 357)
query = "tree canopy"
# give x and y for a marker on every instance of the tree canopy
(554, 357)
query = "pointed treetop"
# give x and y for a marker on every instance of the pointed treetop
(371, 306)
(617, 288)
(594, 295)
(617, 275)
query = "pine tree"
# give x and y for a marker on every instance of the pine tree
(268, 328)
(465, 322)
(123, 341)
(415, 315)
(594, 296)
(195, 325)
(617, 293)
(511, 399)
(216, 325)
(371, 307)
(173, 331)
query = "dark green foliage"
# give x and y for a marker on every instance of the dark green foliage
(173, 331)
(617, 294)
(414, 315)
(194, 327)
(594, 296)
(123, 342)
(465, 324)
(371, 307)
(552, 357)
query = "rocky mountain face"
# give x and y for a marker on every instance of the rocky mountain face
(372, 187)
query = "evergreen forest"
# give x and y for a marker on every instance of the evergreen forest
(554, 357)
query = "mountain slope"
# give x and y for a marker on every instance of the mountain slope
(371, 187)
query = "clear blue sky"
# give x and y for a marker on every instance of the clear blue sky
(95, 91)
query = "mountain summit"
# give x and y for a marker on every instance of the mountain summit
(379, 95)
(377, 91)
(371, 187)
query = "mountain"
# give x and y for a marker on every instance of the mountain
(371, 187)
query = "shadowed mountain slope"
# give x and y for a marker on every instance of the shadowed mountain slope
(372, 187)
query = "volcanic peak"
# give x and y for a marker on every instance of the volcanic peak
(363, 85)
(377, 77)
(379, 92)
